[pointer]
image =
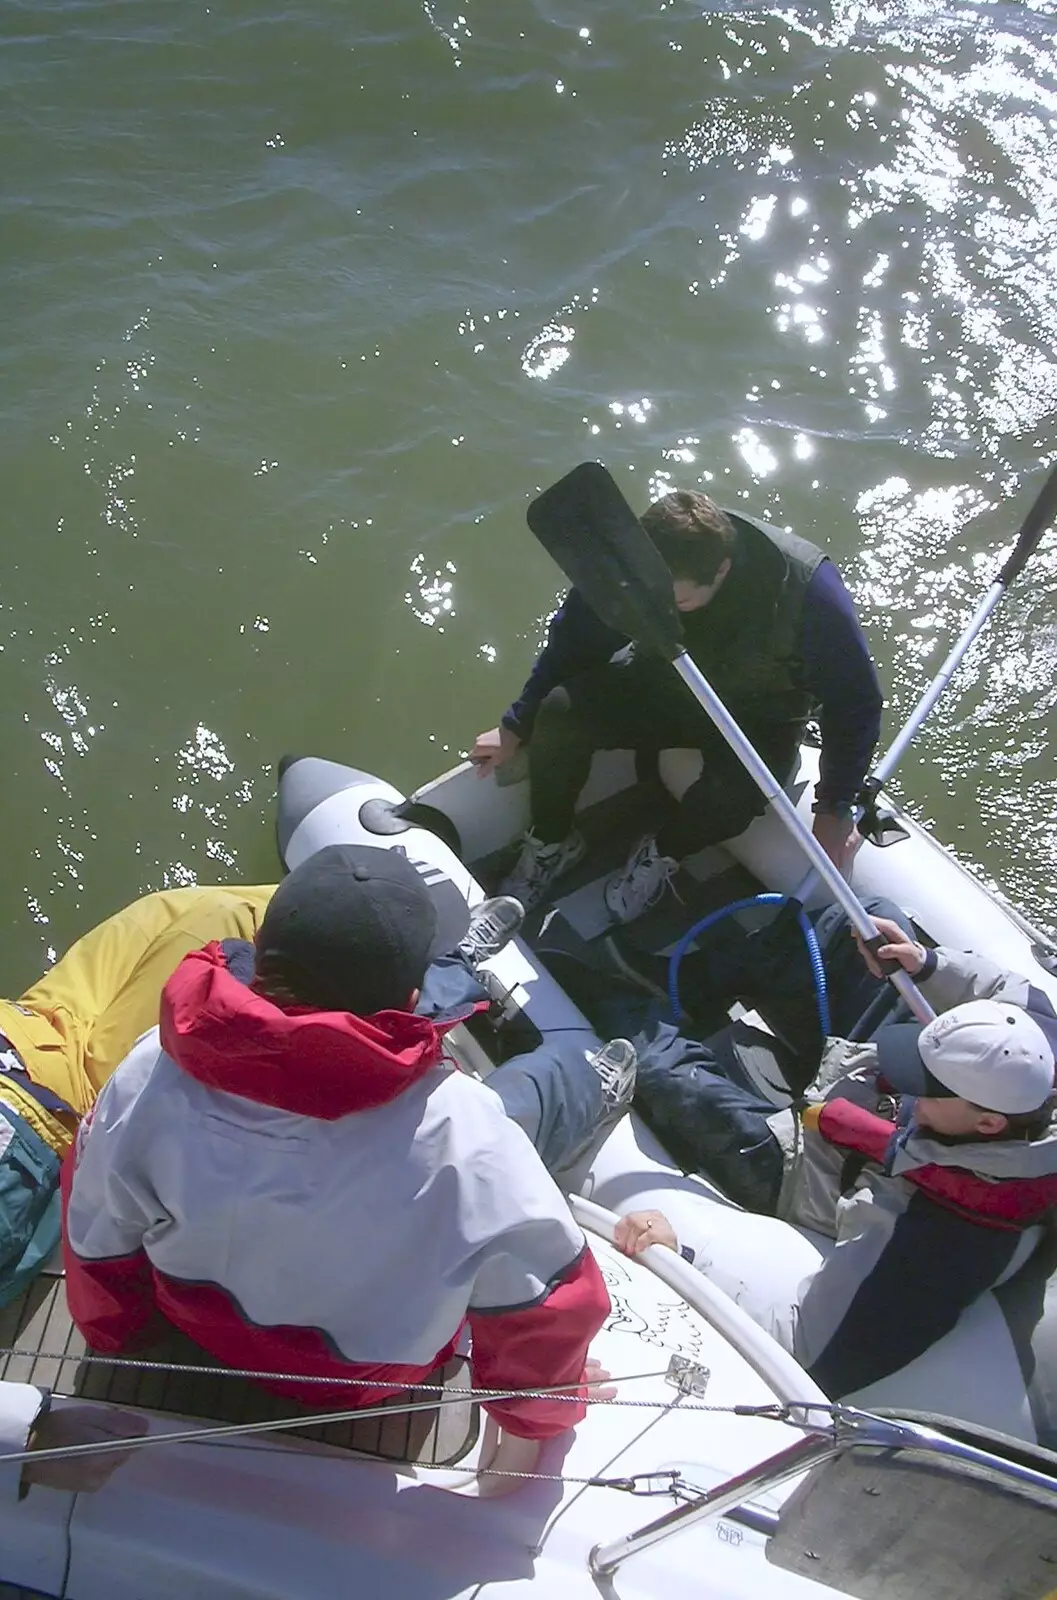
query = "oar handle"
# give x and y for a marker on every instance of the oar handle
(773, 791)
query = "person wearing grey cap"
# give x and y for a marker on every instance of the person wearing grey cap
(290, 1172)
(928, 1155)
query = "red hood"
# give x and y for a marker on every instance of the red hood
(322, 1064)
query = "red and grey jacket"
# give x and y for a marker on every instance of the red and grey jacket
(922, 1225)
(320, 1194)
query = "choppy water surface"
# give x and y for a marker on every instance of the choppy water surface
(303, 302)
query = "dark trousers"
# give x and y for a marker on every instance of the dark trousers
(707, 1114)
(643, 706)
(697, 1094)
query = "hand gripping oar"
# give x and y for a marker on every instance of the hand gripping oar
(1035, 524)
(587, 526)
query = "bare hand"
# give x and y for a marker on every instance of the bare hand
(506, 1456)
(505, 1453)
(598, 1378)
(900, 947)
(839, 837)
(639, 1229)
(68, 1425)
(491, 749)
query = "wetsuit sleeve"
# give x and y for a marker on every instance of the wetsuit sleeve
(576, 640)
(842, 680)
(934, 1263)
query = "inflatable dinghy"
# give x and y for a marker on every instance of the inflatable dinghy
(998, 1366)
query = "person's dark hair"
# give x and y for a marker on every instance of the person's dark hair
(692, 534)
(1029, 1124)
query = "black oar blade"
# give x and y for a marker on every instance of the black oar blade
(586, 525)
(1042, 515)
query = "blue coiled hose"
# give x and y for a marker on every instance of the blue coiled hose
(818, 971)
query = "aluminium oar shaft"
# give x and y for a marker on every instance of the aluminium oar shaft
(1039, 518)
(784, 808)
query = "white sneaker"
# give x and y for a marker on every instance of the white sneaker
(493, 923)
(539, 865)
(641, 883)
(616, 1064)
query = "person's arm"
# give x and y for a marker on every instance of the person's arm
(540, 1345)
(62, 1428)
(878, 1302)
(106, 1212)
(21, 1406)
(538, 1298)
(576, 640)
(637, 1230)
(954, 976)
(842, 679)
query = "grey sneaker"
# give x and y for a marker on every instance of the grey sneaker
(616, 1065)
(493, 923)
(640, 883)
(539, 865)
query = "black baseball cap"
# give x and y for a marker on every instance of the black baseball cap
(354, 928)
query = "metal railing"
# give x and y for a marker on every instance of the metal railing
(848, 1429)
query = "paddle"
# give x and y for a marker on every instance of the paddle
(587, 526)
(1039, 518)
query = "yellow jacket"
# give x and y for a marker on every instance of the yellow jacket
(73, 1027)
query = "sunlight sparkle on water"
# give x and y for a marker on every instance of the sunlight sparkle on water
(205, 755)
(548, 351)
(754, 223)
(433, 603)
(758, 457)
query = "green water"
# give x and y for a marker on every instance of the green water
(302, 303)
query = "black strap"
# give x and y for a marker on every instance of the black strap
(851, 1171)
(47, 1099)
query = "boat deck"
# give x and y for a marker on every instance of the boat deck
(38, 1323)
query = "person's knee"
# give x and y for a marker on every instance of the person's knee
(554, 712)
(882, 907)
(558, 725)
(721, 804)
